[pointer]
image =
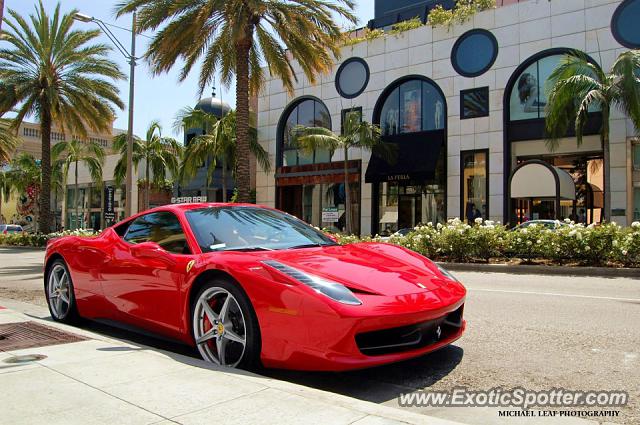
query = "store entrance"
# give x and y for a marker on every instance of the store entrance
(409, 210)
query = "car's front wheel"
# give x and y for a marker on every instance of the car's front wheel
(225, 328)
(59, 292)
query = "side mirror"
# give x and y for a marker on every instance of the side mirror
(148, 250)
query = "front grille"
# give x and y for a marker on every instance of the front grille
(411, 337)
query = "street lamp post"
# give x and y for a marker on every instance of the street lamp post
(131, 57)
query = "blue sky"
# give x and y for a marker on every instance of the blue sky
(159, 97)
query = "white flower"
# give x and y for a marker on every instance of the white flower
(478, 220)
(572, 233)
(587, 247)
(525, 231)
(489, 223)
(579, 236)
(635, 224)
(430, 224)
(624, 252)
(566, 220)
(538, 241)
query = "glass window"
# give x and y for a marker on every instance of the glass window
(636, 155)
(636, 204)
(474, 180)
(251, 228)
(414, 106)
(528, 95)
(308, 113)
(474, 53)
(162, 228)
(390, 114)
(624, 24)
(474, 103)
(411, 101)
(352, 78)
(402, 208)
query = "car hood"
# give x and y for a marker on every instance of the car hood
(370, 267)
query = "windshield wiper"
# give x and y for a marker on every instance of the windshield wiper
(310, 245)
(250, 248)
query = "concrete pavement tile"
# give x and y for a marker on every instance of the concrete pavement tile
(273, 407)
(184, 391)
(104, 372)
(9, 316)
(43, 396)
(77, 351)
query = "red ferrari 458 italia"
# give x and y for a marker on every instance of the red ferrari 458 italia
(250, 286)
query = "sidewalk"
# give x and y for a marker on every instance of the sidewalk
(105, 381)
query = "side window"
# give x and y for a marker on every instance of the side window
(162, 228)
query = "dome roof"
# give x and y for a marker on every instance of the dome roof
(214, 106)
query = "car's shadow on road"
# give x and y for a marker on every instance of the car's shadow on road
(377, 385)
(20, 271)
(382, 383)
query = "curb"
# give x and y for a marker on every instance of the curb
(544, 270)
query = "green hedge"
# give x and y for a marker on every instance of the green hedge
(484, 241)
(39, 240)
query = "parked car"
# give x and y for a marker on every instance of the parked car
(7, 229)
(549, 224)
(250, 285)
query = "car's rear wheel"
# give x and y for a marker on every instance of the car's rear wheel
(60, 295)
(225, 328)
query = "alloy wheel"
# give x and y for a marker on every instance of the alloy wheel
(219, 327)
(59, 291)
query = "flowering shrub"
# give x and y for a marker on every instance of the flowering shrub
(606, 244)
(40, 240)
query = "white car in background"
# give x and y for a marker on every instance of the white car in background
(8, 229)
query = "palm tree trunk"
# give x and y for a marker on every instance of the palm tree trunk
(148, 185)
(242, 117)
(76, 189)
(44, 216)
(224, 179)
(1, 12)
(347, 195)
(606, 154)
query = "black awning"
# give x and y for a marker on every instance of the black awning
(417, 158)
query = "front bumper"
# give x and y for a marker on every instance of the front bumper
(347, 338)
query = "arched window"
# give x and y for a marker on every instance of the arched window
(528, 97)
(412, 105)
(308, 112)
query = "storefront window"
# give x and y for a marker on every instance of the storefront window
(307, 113)
(412, 107)
(636, 155)
(407, 206)
(474, 180)
(636, 204)
(529, 94)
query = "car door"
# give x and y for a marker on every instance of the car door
(147, 271)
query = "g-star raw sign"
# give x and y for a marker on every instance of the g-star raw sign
(188, 199)
(330, 215)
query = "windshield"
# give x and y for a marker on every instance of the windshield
(251, 228)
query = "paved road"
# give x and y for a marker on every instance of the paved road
(538, 332)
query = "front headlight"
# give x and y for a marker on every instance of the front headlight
(446, 272)
(333, 290)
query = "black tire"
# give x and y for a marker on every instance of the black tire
(69, 314)
(251, 355)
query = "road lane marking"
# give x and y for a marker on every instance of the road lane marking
(553, 294)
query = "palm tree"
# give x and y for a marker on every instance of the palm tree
(74, 152)
(219, 141)
(53, 72)
(355, 134)
(8, 141)
(235, 37)
(161, 156)
(578, 86)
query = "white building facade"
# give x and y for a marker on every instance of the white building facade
(464, 107)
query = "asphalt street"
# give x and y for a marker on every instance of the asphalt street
(532, 331)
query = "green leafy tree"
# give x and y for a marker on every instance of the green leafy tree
(160, 155)
(74, 152)
(219, 142)
(355, 134)
(578, 86)
(236, 37)
(59, 75)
